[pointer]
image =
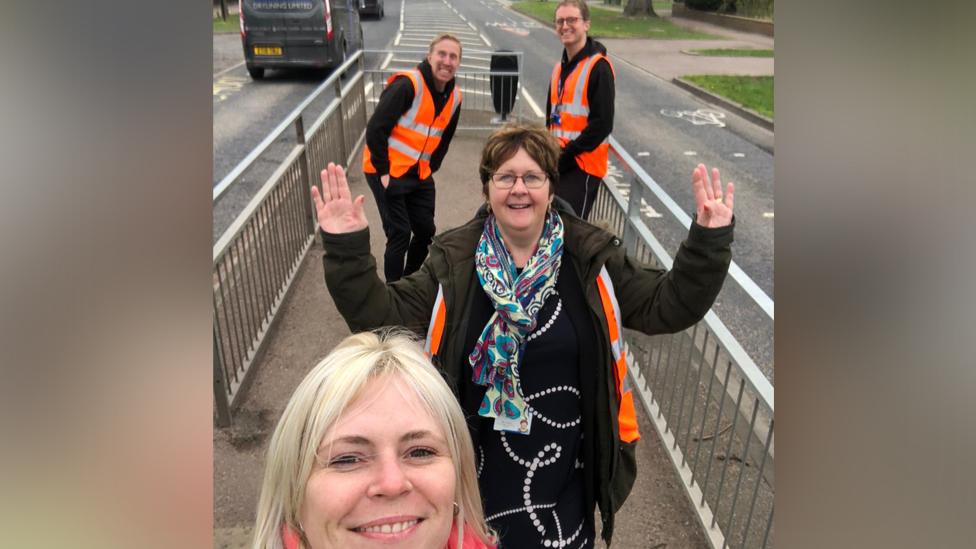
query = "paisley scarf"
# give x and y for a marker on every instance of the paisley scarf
(517, 298)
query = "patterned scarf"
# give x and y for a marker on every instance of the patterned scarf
(517, 298)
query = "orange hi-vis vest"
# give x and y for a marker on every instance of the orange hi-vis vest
(573, 107)
(626, 414)
(418, 132)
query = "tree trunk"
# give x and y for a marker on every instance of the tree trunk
(640, 7)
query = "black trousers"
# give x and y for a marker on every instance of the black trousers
(579, 189)
(407, 210)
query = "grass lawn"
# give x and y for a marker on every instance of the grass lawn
(606, 23)
(232, 24)
(753, 92)
(734, 53)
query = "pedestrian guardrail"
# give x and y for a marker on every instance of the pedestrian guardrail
(489, 81)
(708, 401)
(256, 258)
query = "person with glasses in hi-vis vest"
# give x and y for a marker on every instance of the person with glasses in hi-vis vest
(406, 139)
(579, 106)
(524, 308)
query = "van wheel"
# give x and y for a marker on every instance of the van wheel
(257, 73)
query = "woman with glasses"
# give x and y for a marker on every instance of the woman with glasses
(524, 309)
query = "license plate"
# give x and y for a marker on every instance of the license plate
(267, 50)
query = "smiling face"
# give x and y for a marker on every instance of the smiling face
(384, 476)
(520, 211)
(572, 36)
(444, 58)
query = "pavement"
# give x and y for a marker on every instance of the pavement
(669, 59)
(656, 514)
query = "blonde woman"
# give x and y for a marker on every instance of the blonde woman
(371, 450)
(524, 308)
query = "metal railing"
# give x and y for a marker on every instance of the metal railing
(476, 81)
(708, 401)
(257, 257)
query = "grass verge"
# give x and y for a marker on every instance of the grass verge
(734, 53)
(230, 25)
(752, 92)
(606, 23)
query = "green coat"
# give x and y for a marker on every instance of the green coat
(652, 301)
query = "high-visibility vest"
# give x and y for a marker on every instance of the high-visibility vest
(574, 111)
(418, 132)
(626, 414)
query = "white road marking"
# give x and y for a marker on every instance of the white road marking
(699, 117)
(768, 215)
(532, 104)
(643, 153)
(227, 70)
(739, 155)
(691, 153)
(485, 38)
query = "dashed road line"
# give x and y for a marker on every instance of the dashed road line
(227, 70)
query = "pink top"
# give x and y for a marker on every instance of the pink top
(291, 539)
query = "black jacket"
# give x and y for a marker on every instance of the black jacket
(600, 94)
(651, 300)
(396, 100)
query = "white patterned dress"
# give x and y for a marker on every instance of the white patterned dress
(533, 485)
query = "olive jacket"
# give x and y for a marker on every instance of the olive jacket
(651, 300)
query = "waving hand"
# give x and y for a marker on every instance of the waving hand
(337, 212)
(714, 209)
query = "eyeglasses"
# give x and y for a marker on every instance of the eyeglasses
(567, 20)
(532, 180)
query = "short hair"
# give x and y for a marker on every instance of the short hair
(581, 4)
(445, 36)
(318, 403)
(505, 142)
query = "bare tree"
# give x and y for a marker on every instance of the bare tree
(640, 7)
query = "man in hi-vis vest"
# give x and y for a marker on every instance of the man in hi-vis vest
(580, 107)
(406, 140)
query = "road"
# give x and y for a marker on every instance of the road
(665, 146)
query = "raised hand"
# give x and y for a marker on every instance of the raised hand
(713, 209)
(336, 211)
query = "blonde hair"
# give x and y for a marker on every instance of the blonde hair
(445, 36)
(319, 401)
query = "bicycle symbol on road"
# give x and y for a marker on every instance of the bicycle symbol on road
(700, 117)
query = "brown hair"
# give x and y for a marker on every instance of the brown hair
(584, 10)
(506, 142)
(445, 36)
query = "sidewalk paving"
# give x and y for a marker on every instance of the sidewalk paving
(656, 513)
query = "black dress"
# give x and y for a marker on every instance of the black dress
(533, 485)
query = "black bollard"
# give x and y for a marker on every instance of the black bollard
(503, 87)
